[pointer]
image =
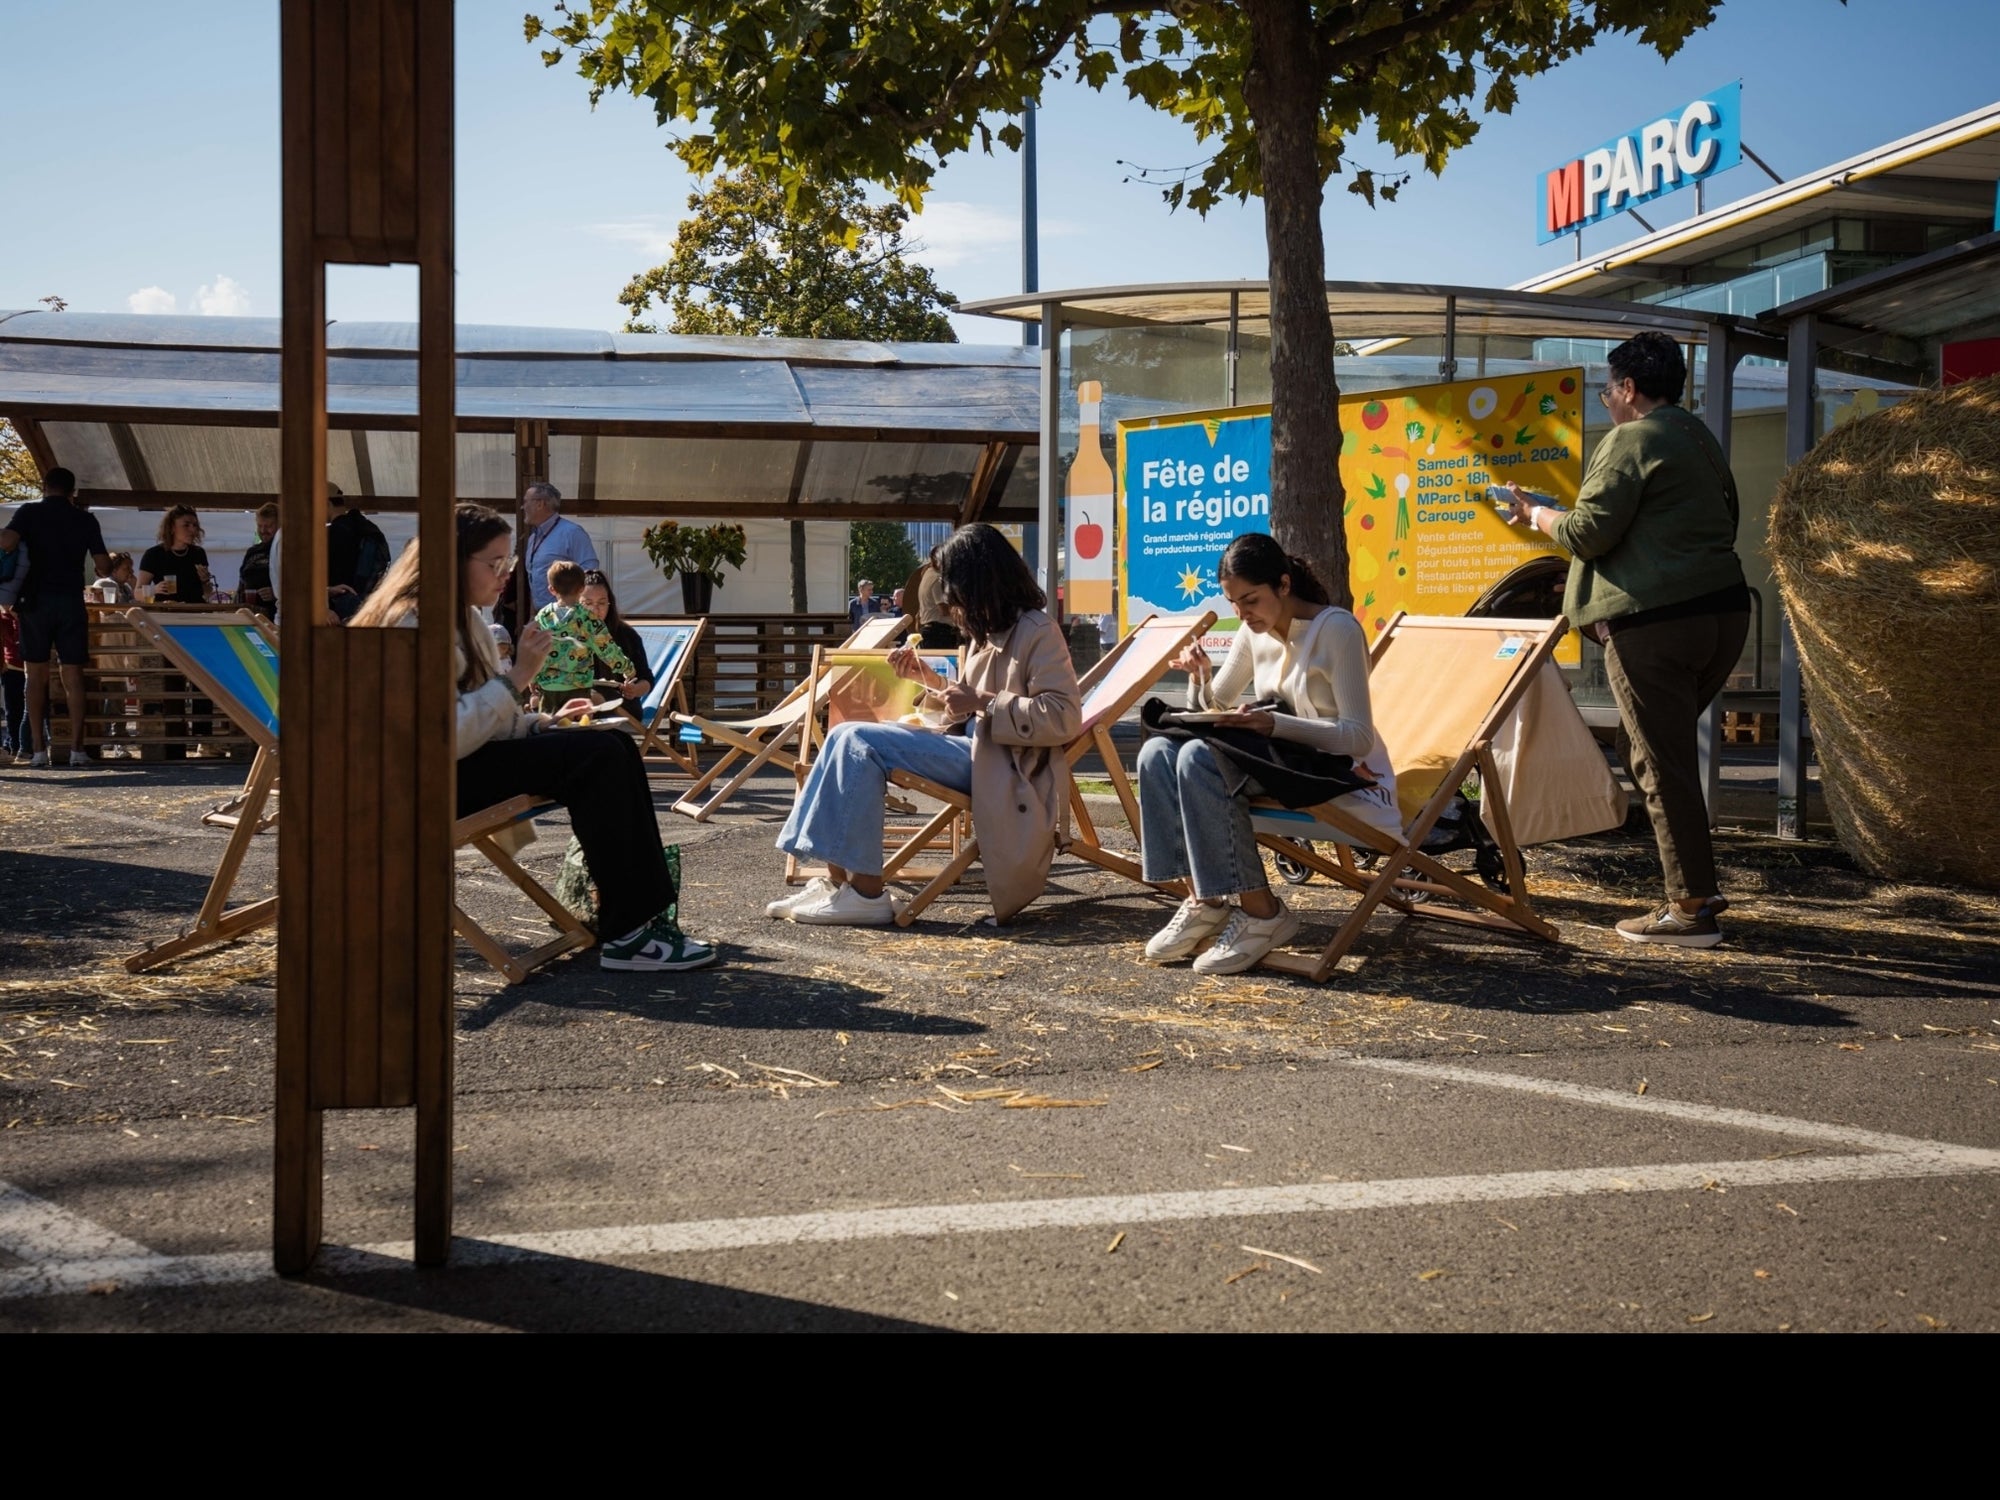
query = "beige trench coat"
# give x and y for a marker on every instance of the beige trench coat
(1020, 779)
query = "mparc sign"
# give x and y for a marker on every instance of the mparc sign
(1658, 158)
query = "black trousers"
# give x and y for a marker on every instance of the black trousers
(597, 775)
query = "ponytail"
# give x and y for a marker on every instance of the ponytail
(1255, 557)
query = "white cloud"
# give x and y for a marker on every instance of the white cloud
(652, 234)
(153, 299)
(225, 297)
(950, 233)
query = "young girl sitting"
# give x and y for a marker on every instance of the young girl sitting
(579, 639)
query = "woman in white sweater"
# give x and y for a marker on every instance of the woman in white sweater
(1293, 648)
(504, 751)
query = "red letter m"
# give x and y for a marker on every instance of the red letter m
(1565, 196)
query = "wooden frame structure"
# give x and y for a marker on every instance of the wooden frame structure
(365, 1016)
(669, 695)
(1111, 687)
(1487, 665)
(766, 739)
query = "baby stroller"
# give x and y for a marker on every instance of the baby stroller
(1532, 591)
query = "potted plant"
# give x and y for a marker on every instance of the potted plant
(698, 554)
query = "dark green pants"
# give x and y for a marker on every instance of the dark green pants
(1663, 677)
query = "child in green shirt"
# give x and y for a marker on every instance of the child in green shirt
(580, 638)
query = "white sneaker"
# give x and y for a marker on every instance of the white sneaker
(817, 889)
(1246, 940)
(1192, 924)
(39, 761)
(79, 761)
(847, 907)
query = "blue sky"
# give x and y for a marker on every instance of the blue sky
(142, 162)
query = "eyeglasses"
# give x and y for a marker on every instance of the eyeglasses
(1604, 395)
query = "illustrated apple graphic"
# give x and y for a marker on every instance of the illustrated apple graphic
(1089, 538)
(1373, 415)
(1568, 386)
(1367, 523)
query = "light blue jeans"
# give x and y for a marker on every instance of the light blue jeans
(1194, 819)
(839, 813)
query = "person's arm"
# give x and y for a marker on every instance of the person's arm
(586, 551)
(9, 539)
(1605, 507)
(603, 646)
(1340, 651)
(1228, 684)
(102, 562)
(1050, 712)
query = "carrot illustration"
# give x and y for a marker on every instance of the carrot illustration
(1393, 452)
(1471, 442)
(1519, 402)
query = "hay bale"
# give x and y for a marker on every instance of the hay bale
(1885, 540)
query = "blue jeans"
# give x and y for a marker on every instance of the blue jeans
(1194, 820)
(839, 813)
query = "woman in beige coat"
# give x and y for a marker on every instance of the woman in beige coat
(1005, 723)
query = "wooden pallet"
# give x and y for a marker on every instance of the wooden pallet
(1749, 729)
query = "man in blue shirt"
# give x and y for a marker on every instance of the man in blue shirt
(863, 604)
(59, 533)
(551, 538)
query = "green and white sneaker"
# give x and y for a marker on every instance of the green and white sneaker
(658, 947)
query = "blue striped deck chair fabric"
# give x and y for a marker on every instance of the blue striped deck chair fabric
(670, 653)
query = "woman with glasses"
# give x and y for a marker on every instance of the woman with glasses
(1654, 578)
(504, 751)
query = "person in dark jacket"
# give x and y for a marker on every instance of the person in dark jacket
(599, 599)
(1654, 577)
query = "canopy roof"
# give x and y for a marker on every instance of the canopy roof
(1896, 313)
(1361, 311)
(147, 410)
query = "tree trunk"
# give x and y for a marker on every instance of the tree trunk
(798, 567)
(1282, 88)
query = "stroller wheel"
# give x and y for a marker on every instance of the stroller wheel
(1491, 867)
(1290, 870)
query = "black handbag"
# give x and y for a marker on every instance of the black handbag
(1296, 775)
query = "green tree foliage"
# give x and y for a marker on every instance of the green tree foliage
(881, 550)
(832, 266)
(20, 479)
(801, 92)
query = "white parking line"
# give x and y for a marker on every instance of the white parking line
(33, 1229)
(638, 1241)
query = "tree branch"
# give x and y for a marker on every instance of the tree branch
(1373, 45)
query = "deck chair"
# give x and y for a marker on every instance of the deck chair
(1119, 679)
(233, 659)
(670, 650)
(769, 738)
(859, 686)
(1442, 690)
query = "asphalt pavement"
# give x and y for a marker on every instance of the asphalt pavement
(961, 1128)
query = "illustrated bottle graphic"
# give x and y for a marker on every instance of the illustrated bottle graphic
(1087, 512)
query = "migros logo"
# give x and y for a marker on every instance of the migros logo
(1699, 140)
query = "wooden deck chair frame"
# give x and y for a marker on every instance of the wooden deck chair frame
(768, 738)
(659, 734)
(1403, 866)
(218, 922)
(1160, 638)
(901, 843)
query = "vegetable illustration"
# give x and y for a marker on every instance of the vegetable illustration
(1373, 415)
(1524, 437)
(1365, 566)
(1432, 445)
(1376, 488)
(1397, 453)
(1367, 521)
(1546, 406)
(1349, 441)
(1413, 432)
(1519, 402)
(1568, 386)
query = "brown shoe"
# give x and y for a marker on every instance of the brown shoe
(1672, 925)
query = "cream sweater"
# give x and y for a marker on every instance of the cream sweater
(1321, 669)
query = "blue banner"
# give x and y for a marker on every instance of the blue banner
(1703, 137)
(1192, 484)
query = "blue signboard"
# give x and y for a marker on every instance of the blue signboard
(1192, 485)
(1696, 141)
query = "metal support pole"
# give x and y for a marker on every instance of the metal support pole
(1448, 362)
(1048, 502)
(1031, 256)
(1801, 422)
(1233, 354)
(1717, 411)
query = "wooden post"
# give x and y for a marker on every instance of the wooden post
(365, 848)
(531, 463)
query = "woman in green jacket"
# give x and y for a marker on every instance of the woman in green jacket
(1654, 578)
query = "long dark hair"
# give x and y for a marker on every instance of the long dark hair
(986, 580)
(594, 579)
(395, 598)
(1256, 557)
